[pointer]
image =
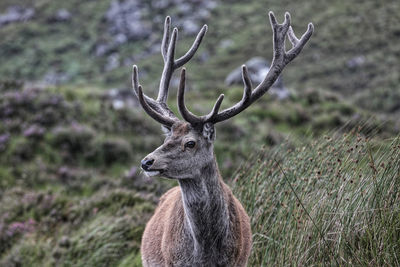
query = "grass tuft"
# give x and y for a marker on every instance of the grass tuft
(334, 201)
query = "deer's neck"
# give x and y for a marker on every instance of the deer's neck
(206, 211)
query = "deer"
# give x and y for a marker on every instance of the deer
(200, 222)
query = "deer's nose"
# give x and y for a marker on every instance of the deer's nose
(146, 163)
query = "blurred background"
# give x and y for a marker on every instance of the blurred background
(72, 133)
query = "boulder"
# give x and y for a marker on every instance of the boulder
(355, 62)
(16, 14)
(62, 15)
(258, 68)
(124, 18)
(121, 98)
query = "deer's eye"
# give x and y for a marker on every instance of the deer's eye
(190, 144)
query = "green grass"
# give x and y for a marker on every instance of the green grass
(332, 202)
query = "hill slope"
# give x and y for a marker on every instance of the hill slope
(354, 50)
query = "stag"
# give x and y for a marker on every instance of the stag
(200, 222)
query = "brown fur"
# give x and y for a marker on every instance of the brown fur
(180, 130)
(163, 231)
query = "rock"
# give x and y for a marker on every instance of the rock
(132, 20)
(185, 7)
(16, 14)
(124, 17)
(192, 14)
(118, 104)
(209, 4)
(112, 62)
(257, 68)
(190, 27)
(125, 24)
(120, 38)
(204, 13)
(62, 15)
(226, 43)
(34, 132)
(355, 62)
(121, 98)
(55, 78)
(4, 138)
(161, 4)
(104, 48)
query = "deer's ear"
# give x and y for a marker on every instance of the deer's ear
(166, 130)
(209, 132)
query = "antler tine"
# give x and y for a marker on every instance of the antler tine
(299, 44)
(247, 85)
(292, 37)
(279, 36)
(165, 39)
(158, 108)
(168, 69)
(171, 65)
(135, 80)
(135, 86)
(154, 114)
(171, 47)
(238, 107)
(190, 53)
(215, 109)
(280, 59)
(186, 114)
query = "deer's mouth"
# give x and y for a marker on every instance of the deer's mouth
(152, 173)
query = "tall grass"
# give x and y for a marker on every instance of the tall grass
(335, 202)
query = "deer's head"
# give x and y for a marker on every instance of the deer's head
(184, 152)
(188, 146)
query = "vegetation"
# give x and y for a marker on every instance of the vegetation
(332, 202)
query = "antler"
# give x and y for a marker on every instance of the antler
(281, 58)
(158, 109)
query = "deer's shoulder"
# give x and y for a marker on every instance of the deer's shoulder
(170, 194)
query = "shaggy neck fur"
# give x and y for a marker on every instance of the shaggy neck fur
(206, 215)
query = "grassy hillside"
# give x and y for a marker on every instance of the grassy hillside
(353, 50)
